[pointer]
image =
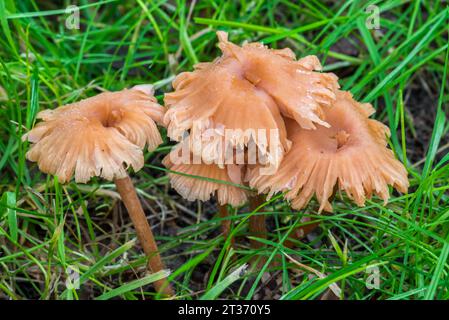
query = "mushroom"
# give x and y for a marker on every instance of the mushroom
(215, 100)
(247, 89)
(350, 155)
(101, 137)
(299, 91)
(197, 180)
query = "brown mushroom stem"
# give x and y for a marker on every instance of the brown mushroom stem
(225, 224)
(257, 225)
(129, 197)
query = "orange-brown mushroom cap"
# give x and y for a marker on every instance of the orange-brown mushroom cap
(300, 92)
(200, 180)
(352, 154)
(99, 136)
(216, 99)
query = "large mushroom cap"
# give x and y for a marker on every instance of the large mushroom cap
(299, 91)
(196, 180)
(351, 154)
(96, 136)
(216, 104)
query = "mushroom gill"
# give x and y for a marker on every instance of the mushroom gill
(98, 136)
(351, 154)
(200, 180)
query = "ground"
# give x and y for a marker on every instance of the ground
(47, 230)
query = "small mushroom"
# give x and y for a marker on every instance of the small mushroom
(201, 181)
(197, 180)
(350, 155)
(101, 137)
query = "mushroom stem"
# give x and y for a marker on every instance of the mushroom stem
(129, 197)
(257, 225)
(225, 224)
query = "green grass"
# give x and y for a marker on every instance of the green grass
(47, 228)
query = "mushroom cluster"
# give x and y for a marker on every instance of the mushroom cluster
(324, 139)
(237, 103)
(254, 120)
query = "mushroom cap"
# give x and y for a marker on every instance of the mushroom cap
(299, 91)
(200, 181)
(96, 136)
(222, 109)
(247, 89)
(351, 155)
